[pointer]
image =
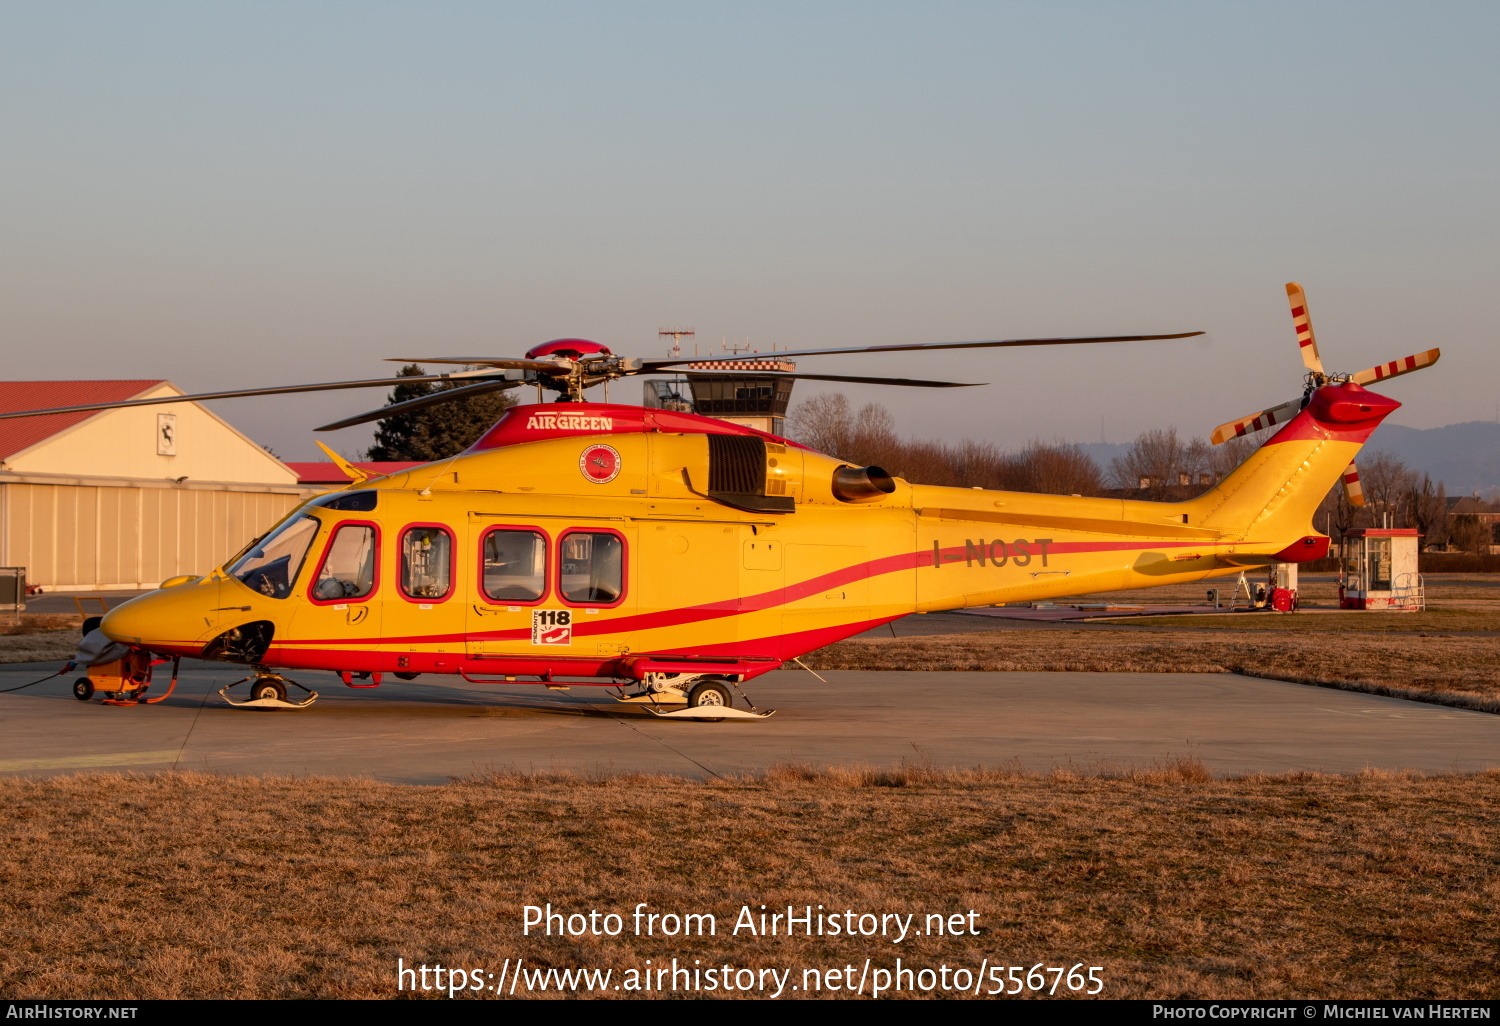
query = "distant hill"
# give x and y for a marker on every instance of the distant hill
(1465, 457)
(1103, 452)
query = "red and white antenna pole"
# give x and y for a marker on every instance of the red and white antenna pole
(677, 335)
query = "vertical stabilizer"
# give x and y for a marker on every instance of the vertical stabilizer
(1273, 494)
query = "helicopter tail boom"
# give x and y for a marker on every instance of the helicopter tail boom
(1272, 496)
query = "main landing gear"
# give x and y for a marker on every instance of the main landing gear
(702, 696)
(268, 691)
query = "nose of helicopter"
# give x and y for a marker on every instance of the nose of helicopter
(175, 618)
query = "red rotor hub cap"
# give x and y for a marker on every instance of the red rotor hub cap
(571, 347)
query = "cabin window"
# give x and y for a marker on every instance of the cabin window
(592, 567)
(515, 566)
(272, 564)
(426, 563)
(348, 570)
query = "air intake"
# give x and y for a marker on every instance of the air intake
(737, 475)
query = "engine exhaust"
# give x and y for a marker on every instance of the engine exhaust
(861, 484)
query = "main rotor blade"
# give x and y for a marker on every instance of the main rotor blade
(447, 395)
(507, 363)
(1302, 321)
(1256, 422)
(1352, 490)
(651, 365)
(832, 377)
(242, 393)
(1396, 368)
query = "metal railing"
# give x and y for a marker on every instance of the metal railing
(1409, 592)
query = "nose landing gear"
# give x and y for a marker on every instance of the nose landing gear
(268, 691)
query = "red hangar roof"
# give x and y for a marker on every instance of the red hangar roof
(22, 433)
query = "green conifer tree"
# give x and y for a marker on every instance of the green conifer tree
(436, 432)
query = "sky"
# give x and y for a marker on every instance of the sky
(245, 194)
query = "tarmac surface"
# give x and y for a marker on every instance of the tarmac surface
(436, 728)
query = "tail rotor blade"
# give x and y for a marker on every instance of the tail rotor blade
(1257, 422)
(1302, 321)
(1396, 368)
(1352, 490)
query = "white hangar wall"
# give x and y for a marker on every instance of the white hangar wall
(104, 536)
(98, 506)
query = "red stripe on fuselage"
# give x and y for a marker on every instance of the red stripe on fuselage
(759, 655)
(755, 603)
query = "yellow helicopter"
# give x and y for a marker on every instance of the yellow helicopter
(677, 556)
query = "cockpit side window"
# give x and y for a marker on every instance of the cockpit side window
(348, 570)
(273, 563)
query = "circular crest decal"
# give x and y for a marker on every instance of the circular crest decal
(600, 463)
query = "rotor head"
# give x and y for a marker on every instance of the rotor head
(572, 348)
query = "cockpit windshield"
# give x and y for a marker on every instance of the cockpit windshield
(272, 564)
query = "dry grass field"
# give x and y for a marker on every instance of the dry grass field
(1449, 654)
(1175, 884)
(38, 637)
(38, 646)
(1459, 671)
(1430, 621)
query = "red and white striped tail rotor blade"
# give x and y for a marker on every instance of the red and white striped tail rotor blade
(1396, 368)
(1302, 321)
(1352, 490)
(1259, 422)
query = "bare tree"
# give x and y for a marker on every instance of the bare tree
(1159, 462)
(1336, 517)
(1054, 469)
(1148, 463)
(1226, 457)
(829, 424)
(973, 463)
(1387, 482)
(1470, 534)
(1427, 508)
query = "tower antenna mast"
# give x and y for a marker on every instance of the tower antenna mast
(676, 335)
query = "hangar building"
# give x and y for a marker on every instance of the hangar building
(123, 499)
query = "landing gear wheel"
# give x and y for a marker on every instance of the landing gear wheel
(83, 689)
(709, 694)
(268, 688)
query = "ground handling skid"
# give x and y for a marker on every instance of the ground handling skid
(268, 690)
(706, 697)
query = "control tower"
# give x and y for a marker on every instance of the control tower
(728, 389)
